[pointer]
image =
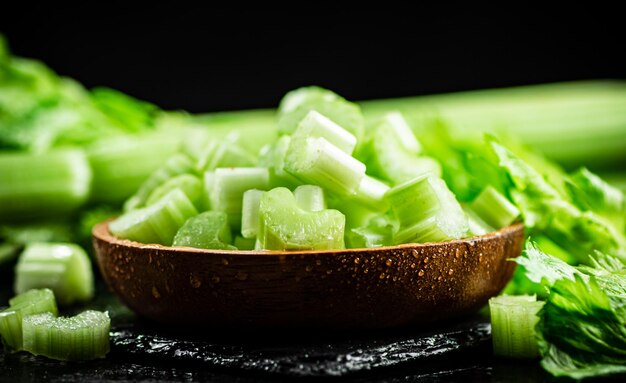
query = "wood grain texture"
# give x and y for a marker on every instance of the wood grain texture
(340, 289)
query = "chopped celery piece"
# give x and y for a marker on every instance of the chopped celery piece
(310, 198)
(121, 164)
(298, 103)
(284, 226)
(513, 321)
(387, 157)
(477, 226)
(35, 186)
(427, 211)
(64, 268)
(394, 124)
(208, 230)
(156, 223)
(316, 161)
(273, 157)
(191, 185)
(378, 232)
(225, 188)
(28, 303)
(81, 337)
(250, 213)
(494, 208)
(315, 124)
(371, 192)
(242, 243)
(224, 153)
(357, 214)
(175, 165)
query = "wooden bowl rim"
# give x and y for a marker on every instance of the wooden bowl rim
(101, 232)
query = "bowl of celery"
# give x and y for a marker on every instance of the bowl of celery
(332, 225)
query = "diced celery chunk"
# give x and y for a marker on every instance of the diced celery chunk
(27, 303)
(64, 268)
(224, 153)
(317, 125)
(476, 224)
(378, 232)
(156, 223)
(494, 208)
(427, 211)
(284, 226)
(513, 321)
(371, 193)
(250, 213)
(310, 198)
(273, 157)
(191, 185)
(208, 230)
(225, 188)
(296, 104)
(81, 337)
(318, 162)
(242, 243)
(174, 166)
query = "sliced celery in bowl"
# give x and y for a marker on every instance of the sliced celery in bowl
(365, 288)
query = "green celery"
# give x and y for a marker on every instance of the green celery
(191, 185)
(298, 103)
(427, 211)
(250, 213)
(310, 198)
(284, 226)
(175, 165)
(225, 188)
(27, 303)
(513, 321)
(315, 124)
(64, 268)
(494, 208)
(156, 223)
(36, 186)
(316, 161)
(81, 337)
(242, 243)
(208, 230)
(121, 164)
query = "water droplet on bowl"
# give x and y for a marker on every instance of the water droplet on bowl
(155, 292)
(215, 279)
(308, 268)
(381, 276)
(195, 281)
(225, 261)
(420, 273)
(388, 262)
(241, 276)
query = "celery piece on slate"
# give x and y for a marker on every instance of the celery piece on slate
(225, 188)
(298, 103)
(175, 165)
(427, 211)
(513, 321)
(285, 226)
(48, 185)
(318, 162)
(122, 164)
(191, 185)
(208, 230)
(64, 268)
(27, 303)
(81, 337)
(494, 208)
(157, 223)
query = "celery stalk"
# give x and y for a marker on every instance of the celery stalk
(36, 186)
(310, 198)
(250, 213)
(494, 208)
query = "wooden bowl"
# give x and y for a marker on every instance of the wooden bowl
(338, 289)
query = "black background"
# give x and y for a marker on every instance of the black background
(202, 60)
